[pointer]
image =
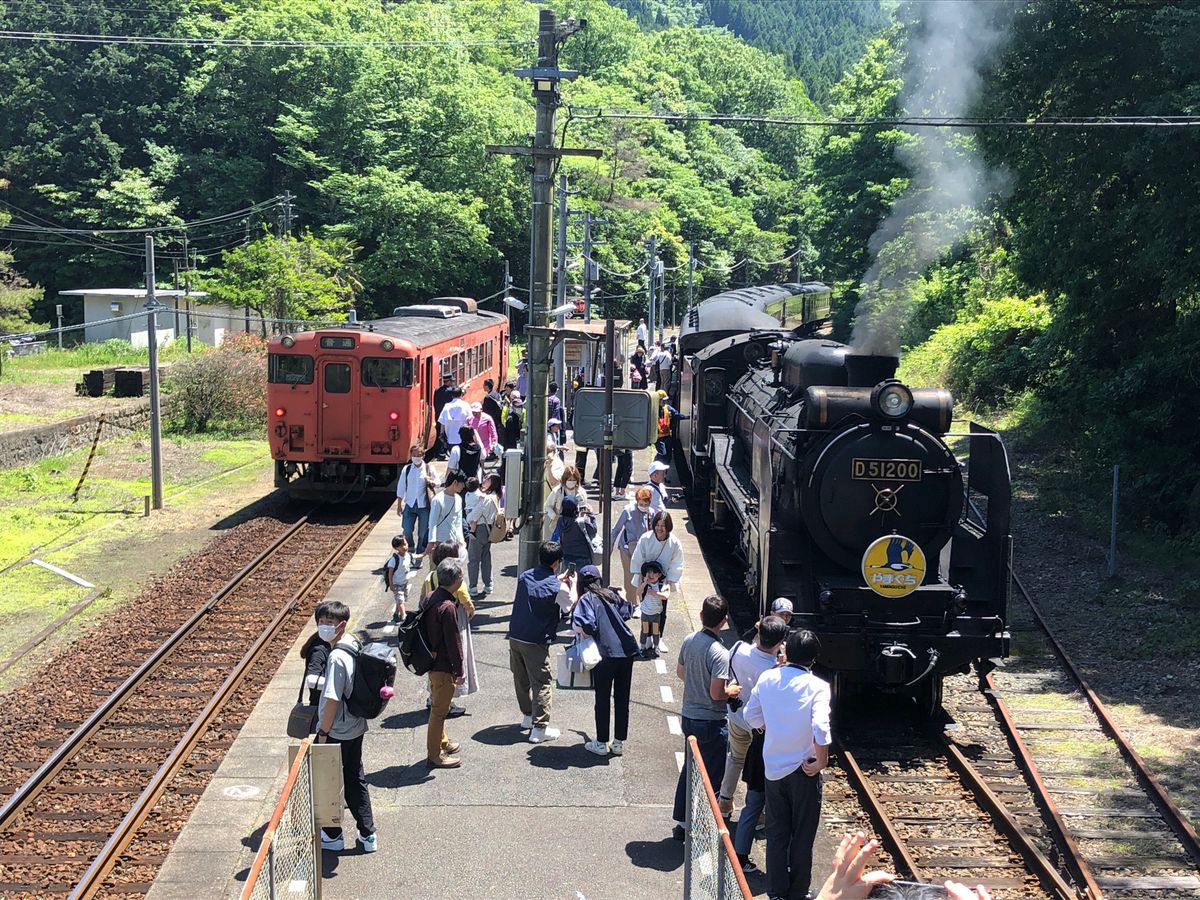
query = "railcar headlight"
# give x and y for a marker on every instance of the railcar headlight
(892, 400)
(288, 341)
(386, 345)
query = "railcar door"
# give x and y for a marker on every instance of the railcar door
(338, 432)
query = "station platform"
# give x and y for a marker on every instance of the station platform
(517, 820)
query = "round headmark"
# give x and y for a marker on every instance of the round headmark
(893, 566)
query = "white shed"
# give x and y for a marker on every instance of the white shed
(103, 309)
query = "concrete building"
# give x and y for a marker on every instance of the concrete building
(103, 309)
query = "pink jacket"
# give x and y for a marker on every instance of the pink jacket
(486, 429)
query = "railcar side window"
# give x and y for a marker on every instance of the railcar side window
(337, 378)
(289, 368)
(387, 372)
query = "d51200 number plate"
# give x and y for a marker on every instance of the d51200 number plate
(885, 469)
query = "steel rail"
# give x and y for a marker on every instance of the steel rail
(1080, 870)
(894, 843)
(93, 878)
(1172, 815)
(1023, 843)
(34, 785)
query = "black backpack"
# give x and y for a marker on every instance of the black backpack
(374, 669)
(416, 654)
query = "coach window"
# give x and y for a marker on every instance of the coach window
(460, 365)
(337, 378)
(387, 372)
(289, 368)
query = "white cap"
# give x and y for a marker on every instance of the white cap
(781, 605)
(476, 407)
(550, 422)
(657, 466)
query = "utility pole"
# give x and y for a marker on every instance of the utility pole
(691, 271)
(58, 313)
(652, 247)
(507, 308)
(545, 77)
(156, 471)
(587, 267)
(661, 294)
(560, 320)
(606, 452)
(287, 213)
(187, 292)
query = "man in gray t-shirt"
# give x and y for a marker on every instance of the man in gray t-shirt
(337, 725)
(704, 668)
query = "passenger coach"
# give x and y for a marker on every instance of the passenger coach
(346, 403)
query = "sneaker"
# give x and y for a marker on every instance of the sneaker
(396, 618)
(370, 844)
(542, 735)
(748, 865)
(444, 762)
(487, 589)
(661, 648)
(597, 747)
(474, 592)
(526, 722)
(451, 748)
(330, 843)
(617, 748)
(456, 711)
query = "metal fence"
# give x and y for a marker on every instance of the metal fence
(710, 868)
(288, 863)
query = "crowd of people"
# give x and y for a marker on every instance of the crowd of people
(756, 709)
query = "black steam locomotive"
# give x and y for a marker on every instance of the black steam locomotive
(846, 498)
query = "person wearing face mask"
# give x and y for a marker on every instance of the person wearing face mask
(337, 725)
(659, 545)
(414, 491)
(631, 524)
(571, 486)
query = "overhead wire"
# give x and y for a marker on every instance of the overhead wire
(247, 43)
(584, 113)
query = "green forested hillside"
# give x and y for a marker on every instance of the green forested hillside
(818, 39)
(381, 144)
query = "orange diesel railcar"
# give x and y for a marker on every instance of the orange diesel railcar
(344, 404)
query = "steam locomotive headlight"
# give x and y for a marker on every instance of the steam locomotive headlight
(280, 412)
(386, 345)
(288, 341)
(394, 416)
(892, 400)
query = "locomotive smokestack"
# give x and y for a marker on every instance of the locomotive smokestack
(867, 370)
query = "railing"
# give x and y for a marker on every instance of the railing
(288, 863)
(710, 868)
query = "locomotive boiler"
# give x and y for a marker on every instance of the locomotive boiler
(846, 497)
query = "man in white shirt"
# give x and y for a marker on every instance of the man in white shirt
(747, 662)
(657, 473)
(641, 332)
(792, 705)
(454, 415)
(412, 499)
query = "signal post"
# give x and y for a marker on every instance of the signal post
(545, 77)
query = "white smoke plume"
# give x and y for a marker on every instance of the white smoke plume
(952, 43)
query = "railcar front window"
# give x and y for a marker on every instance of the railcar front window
(387, 373)
(289, 368)
(337, 378)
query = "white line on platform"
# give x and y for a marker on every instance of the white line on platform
(667, 696)
(679, 760)
(67, 575)
(660, 667)
(674, 725)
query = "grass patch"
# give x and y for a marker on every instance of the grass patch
(36, 508)
(66, 366)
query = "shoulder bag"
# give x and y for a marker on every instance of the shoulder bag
(302, 720)
(499, 529)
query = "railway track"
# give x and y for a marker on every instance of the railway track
(69, 827)
(928, 799)
(1123, 836)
